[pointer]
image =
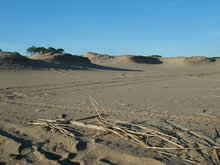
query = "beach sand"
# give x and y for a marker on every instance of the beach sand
(164, 97)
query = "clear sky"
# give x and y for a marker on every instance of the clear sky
(141, 27)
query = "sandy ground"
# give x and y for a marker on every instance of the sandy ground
(155, 96)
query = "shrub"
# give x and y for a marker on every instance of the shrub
(60, 50)
(32, 50)
(52, 50)
(156, 56)
(43, 50)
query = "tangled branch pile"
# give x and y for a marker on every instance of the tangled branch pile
(168, 143)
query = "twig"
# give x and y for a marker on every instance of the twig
(90, 117)
(207, 139)
(171, 154)
(92, 126)
(131, 131)
(145, 128)
(94, 104)
(179, 146)
(216, 155)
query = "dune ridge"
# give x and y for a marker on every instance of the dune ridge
(188, 60)
(12, 57)
(10, 60)
(63, 58)
(104, 58)
(14, 60)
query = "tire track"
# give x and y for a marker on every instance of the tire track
(117, 82)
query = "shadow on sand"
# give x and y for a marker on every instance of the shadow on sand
(92, 66)
(45, 65)
(146, 60)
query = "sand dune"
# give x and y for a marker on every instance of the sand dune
(62, 58)
(126, 59)
(10, 60)
(73, 61)
(12, 57)
(13, 60)
(103, 58)
(188, 60)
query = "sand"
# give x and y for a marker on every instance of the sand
(165, 97)
(62, 58)
(126, 59)
(121, 59)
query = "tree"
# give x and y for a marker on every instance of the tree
(32, 50)
(51, 49)
(43, 50)
(0, 50)
(60, 50)
(156, 55)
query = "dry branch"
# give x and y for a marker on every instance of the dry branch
(91, 126)
(131, 131)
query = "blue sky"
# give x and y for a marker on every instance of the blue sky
(142, 27)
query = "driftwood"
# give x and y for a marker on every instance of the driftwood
(181, 128)
(133, 132)
(91, 126)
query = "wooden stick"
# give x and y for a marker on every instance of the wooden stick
(209, 140)
(216, 155)
(131, 136)
(145, 128)
(95, 108)
(89, 117)
(169, 141)
(171, 154)
(92, 126)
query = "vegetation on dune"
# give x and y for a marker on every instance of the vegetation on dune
(53, 50)
(156, 56)
(43, 50)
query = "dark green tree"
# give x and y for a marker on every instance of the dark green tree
(156, 55)
(51, 49)
(41, 50)
(32, 50)
(60, 50)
